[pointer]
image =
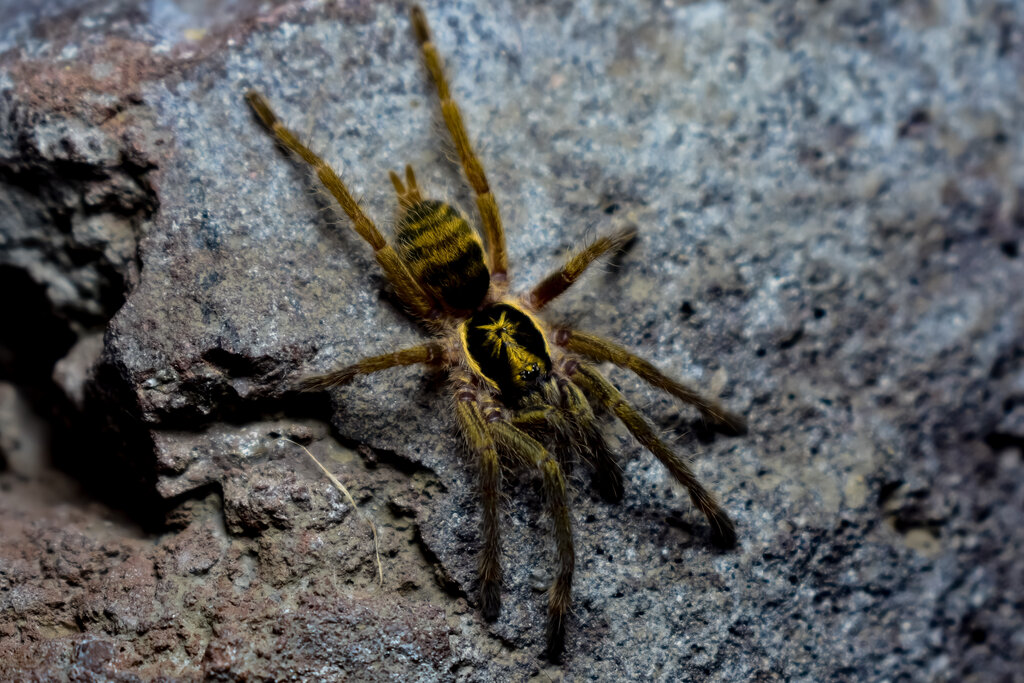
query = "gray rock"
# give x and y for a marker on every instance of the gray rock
(830, 199)
(24, 435)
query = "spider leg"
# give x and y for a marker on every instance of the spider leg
(562, 279)
(570, 417)
(427, 353)
(591, 381)
(599, 349)
(408, 193)
(543, 412)
(531, 453)
(471, 165)
(474, 429)
(407, 289)
(607, 473)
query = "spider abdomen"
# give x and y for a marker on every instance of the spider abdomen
(443, 253)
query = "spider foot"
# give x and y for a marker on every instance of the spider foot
(723, 531)
(730, 424)
(608, 483)
(556, 639)
(490, 600)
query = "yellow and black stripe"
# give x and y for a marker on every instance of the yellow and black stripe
(444, 254)
(505, 345)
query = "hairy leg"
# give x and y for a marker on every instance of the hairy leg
(473, 426)
(562, 279)
(424, 353)
(474, 170)
(607, 473)
(531, 453)
(602, 391)
(565, 414)
(599, 349)
(411, 294)
(409, 192)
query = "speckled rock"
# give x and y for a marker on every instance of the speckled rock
(830, 199)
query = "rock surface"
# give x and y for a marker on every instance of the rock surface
(831, 206)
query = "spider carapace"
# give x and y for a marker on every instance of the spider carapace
(522, 390)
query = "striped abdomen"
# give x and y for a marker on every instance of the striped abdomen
(444, 254)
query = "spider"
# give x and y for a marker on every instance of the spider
(523, 390)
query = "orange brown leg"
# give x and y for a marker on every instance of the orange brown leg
(473, 426)
(486, 204)
(407, 289)
(563, 278)
(723, 532)
(596, 348)
(530, 453)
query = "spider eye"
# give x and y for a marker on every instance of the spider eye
(531, 373)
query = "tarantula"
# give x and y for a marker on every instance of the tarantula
(522, 389)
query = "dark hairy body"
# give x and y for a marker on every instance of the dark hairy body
(522, 390)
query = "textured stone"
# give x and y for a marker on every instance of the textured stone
(830, 199)
(23, 435)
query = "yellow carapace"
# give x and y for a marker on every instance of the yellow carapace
(522, 390)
